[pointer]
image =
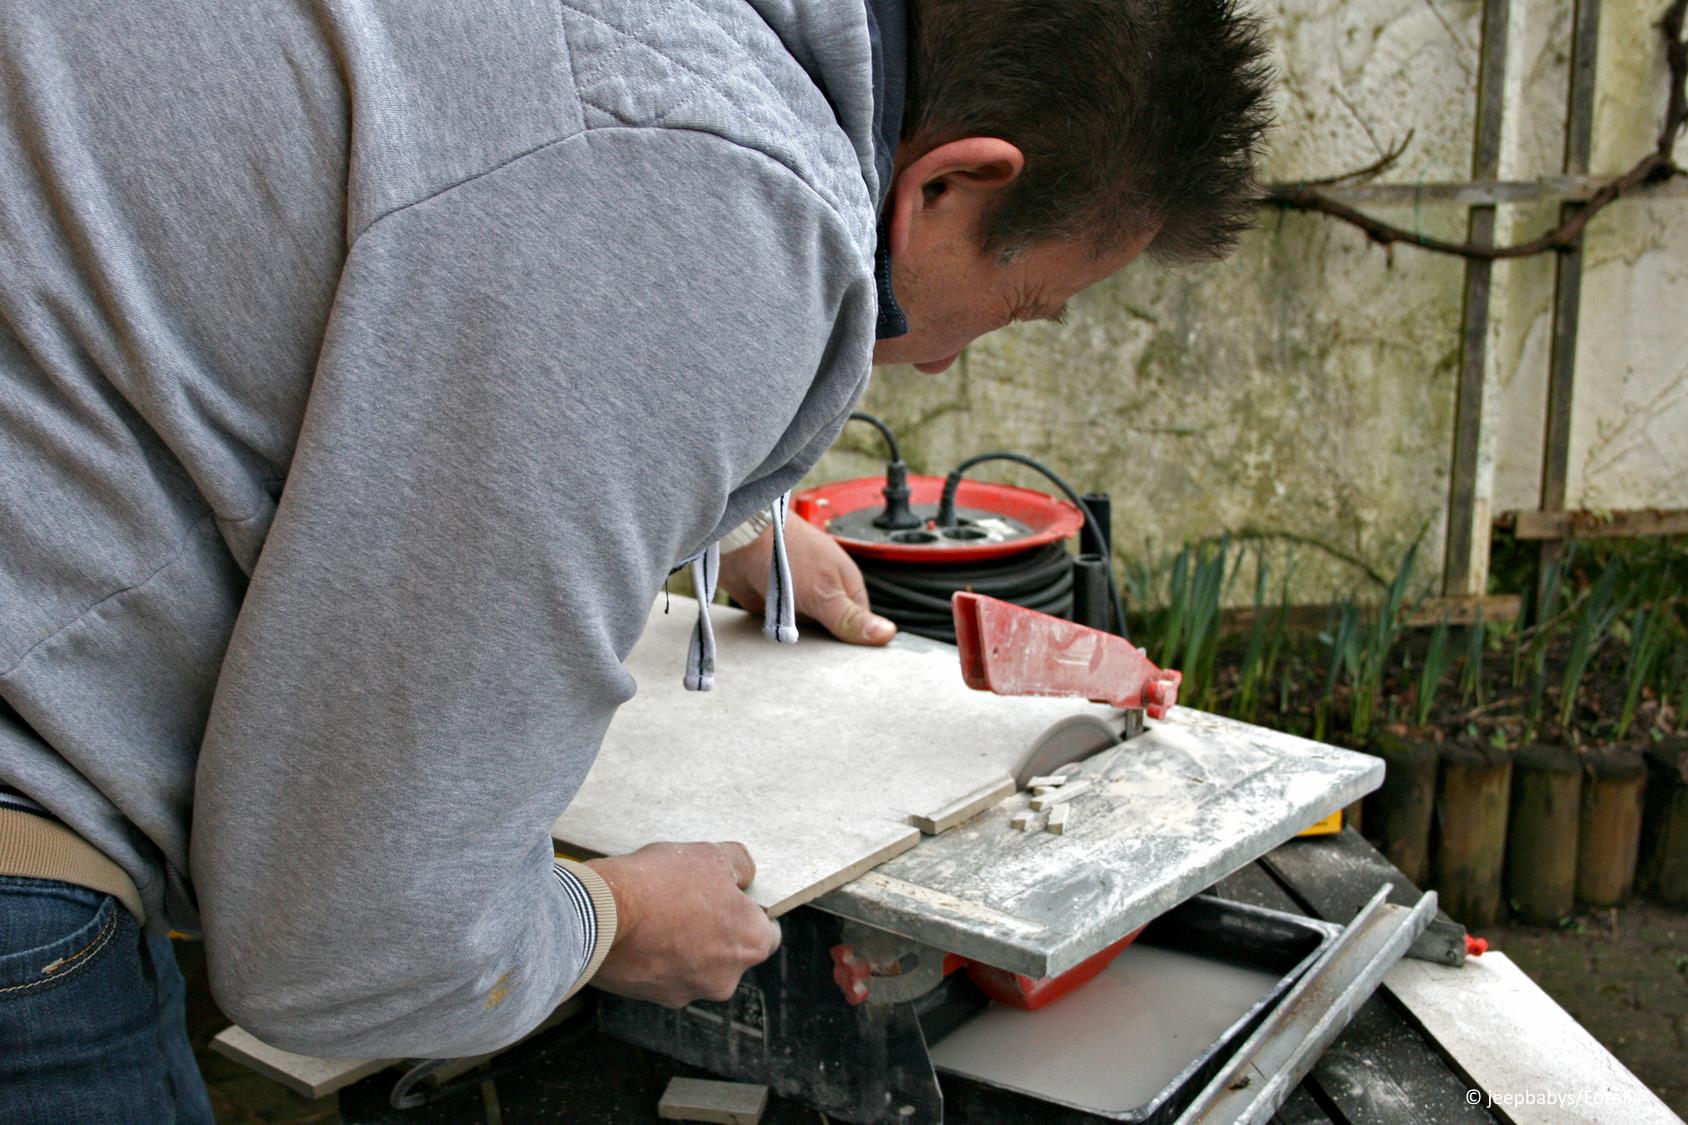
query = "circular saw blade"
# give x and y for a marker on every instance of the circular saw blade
(1069, 740)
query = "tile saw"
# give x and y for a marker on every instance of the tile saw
(856, 1013)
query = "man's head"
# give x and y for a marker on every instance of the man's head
(1049, 142)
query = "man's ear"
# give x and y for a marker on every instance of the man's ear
(954, 181)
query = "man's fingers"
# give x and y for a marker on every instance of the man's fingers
(738, 858)
(853, 623)
(774, 934)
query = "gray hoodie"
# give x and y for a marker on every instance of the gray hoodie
(364, 368)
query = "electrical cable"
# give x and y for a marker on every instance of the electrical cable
(946, 512)
(890, 438)
(897, 515)
(917, 595)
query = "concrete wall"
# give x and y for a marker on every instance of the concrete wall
(1629, 430)
(1301, 395)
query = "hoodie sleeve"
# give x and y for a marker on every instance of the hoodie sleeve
(536, 391)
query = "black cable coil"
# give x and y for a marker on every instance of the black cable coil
(917, 595)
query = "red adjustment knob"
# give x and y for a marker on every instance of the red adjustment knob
(850, 971)
(1161, 695)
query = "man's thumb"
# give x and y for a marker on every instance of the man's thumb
(854, 623)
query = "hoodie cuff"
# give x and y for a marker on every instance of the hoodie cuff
(596, 905)
(745, 533)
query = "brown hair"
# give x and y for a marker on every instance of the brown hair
(1129, 112)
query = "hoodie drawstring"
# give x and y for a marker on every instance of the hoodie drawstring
(700, 655)
(779, 615)
(779, 611)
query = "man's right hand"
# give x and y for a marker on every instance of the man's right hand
(685, 929)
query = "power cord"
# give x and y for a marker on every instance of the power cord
(897, 516)
(917, 595)
(946, 512)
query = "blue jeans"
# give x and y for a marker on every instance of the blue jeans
(91, 1014)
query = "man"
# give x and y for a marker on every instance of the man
(365, 369)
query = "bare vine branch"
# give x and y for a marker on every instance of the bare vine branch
(1370, 171)
(1655, 167)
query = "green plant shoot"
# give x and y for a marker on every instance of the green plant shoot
(1471, 672)
(1594, 618)
(1430, 676)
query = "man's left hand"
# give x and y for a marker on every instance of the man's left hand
(827, 583)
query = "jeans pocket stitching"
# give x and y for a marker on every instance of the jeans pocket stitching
(58, 971)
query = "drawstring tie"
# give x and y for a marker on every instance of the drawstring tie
(779, 614)
(700, 656)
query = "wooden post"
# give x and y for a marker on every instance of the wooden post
(1475, 793)
(1567, 289)
(1465, 557)
(1402, 809)
(1609, 838)
(1663, 871)
(1541, 841)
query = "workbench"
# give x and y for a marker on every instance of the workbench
(1419, 1051)
(860, 889)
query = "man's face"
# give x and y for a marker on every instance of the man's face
(954, 292)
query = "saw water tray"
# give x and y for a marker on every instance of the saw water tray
(1138, 1043)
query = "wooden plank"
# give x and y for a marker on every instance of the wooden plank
(820, 757)
(1300, 1108)
(1495, 608)
(306, 1076)
(313, 1077)
(1520, 1049)
(1584, 524)
(1381, 1071)
(1332, 877)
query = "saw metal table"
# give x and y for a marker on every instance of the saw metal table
(1164, 815)
(1382, 1070)
(1168, 812)
(1192, 801)
(1155, 819)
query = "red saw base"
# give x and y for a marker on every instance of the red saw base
(1020, 991)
